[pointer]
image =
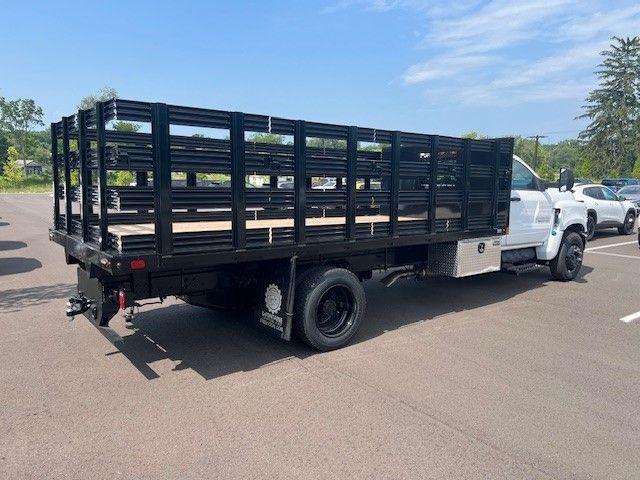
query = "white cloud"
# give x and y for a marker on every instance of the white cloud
(565, 62)
(433, 9)
(625, 21)
(486, 95)
(510, 52)
(498, 24)
(443, 67)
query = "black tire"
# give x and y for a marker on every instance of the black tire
(629, 223)
(329, 307)
(567, 263)
(591, 226)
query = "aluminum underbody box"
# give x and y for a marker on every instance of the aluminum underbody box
(465, 257)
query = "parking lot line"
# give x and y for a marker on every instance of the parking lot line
(611, 245)
(630, 318)
(616, 255)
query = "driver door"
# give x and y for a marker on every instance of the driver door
(530, 213)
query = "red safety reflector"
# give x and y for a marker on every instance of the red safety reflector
(138, 264)
(122, 300)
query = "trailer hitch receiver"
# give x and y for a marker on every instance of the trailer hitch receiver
(78, 304)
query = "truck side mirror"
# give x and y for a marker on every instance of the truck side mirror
(566, 180)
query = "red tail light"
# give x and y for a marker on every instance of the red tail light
(138, 264)
(122, 300)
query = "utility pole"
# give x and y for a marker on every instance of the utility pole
(535, 151)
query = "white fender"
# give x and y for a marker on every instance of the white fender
(570, 214)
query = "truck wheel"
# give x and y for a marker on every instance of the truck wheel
(567, 263)
(591, 226)
(329, 306)
(629, 222)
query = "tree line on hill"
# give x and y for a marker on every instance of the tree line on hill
(608, 146)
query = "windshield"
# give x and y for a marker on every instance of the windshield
(633, 190)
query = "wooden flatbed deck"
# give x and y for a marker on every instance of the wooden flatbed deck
(217, 226)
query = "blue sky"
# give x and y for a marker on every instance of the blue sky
(496, 67)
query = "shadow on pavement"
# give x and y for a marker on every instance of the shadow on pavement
(215, 344)
(10, 266)
(20, 298)
(610, 233)
(11, 245)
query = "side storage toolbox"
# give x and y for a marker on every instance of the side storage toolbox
(465, 257)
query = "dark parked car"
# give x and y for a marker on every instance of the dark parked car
(631, 193)
(616, 184)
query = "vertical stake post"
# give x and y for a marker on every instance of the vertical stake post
(395, 183)
(162, 178)
(300, 179)
(433, 183)
(352, 160)
(85, 175)
(101, 146)
(68, 213)
(56, 176)
(238, 179)
(496, 181)
(466, 160)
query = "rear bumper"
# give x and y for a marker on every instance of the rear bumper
(101, 301)
(77, 251)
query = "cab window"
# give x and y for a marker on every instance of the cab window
(522, 178)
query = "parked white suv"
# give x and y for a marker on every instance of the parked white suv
(547, 226)
(606, 209)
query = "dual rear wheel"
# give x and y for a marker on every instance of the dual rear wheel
(329, 307)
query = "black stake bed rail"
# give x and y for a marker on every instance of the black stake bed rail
(257, 187)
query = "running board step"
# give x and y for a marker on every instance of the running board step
(518, 269)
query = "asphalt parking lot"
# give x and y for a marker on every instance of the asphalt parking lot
(494, 376)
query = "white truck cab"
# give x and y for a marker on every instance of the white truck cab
(547, 226)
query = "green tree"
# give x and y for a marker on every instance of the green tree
(12, 172)
(121, 178)
(612, 136)
(525, 148)
(19, 117)
(266, 138)
(331, 143)
(105, 94)
(38, 146)
(125, 126)
(566, 153)
(4, 146)
(473, 135)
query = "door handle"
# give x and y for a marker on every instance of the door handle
(515, 199)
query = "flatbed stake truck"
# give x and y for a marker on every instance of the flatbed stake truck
(285, 217)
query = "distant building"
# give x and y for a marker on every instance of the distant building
(33, 167)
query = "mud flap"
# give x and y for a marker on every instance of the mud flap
(102, 307)
(274, 311)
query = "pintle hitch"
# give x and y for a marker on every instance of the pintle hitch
(78, 304)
